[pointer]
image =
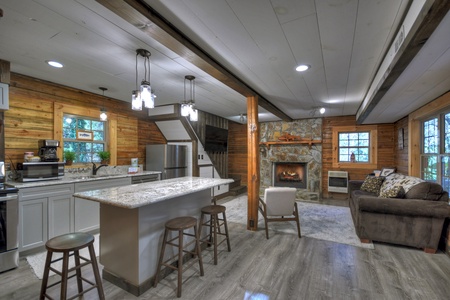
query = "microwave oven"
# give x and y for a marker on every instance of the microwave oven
(36, 171)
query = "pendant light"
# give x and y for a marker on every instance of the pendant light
(143, 93)
(103, 115)
(188, 104)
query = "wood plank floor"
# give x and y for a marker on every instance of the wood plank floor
(283, 267)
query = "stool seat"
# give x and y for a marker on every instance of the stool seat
(70, 244)
(181, 223)
(214, 209)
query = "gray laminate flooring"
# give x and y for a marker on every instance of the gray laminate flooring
(284, 267)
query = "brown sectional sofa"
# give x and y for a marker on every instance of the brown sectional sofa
(416, 219)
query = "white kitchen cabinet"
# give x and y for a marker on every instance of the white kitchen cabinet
(87, 213)
(44, 213)
(33, 223)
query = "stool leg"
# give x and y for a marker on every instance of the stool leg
(161, 257)
(48, 261)
(201, 225)
(64, 275)
(98, 279)
(180, 262)
(199, 254)
(76, 255)
(226, 231)
(214, 221)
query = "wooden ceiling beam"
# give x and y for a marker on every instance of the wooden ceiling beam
(142, 16)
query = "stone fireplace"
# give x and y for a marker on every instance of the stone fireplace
(303, 161)
(289, 174)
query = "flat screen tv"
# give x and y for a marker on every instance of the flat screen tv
(216, 139)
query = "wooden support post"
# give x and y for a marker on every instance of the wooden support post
(252, 162)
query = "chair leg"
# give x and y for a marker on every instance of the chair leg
(198, 250)
(214, 226)
(180, 262)
(64, 275)
(297, 219)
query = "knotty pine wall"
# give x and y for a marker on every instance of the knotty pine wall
(401, 155)
(237, 151)
(386, 154)
(30, 118)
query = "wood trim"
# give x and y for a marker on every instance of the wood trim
(253, 163)
(5, 71)
(373, 129)
(60, 109)
(414, 134)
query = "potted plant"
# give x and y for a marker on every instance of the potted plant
(69, 157)
(104, 156)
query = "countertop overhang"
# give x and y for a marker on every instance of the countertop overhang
(142, 194)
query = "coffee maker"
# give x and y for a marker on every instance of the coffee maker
(47, 150)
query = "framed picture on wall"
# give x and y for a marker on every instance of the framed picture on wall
(400, 138)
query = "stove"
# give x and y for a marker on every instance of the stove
(9, 224)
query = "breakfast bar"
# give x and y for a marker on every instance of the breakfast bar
(132, 222)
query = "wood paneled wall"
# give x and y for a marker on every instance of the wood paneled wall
(30, 118)
(237, 151)
(401, 155)
(386, 154)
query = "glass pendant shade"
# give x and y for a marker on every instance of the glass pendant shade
(185, 109)
(146, 95)
(136, 102)
(103, 115)
(193, 116)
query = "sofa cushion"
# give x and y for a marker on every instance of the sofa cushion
(372, 184)
(396, 179)
(426, 191)
(396, 191)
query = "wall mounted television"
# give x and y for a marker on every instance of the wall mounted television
(216, 139)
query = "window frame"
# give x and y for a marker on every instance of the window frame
(373, 145)
(103, 142)
(60, 109)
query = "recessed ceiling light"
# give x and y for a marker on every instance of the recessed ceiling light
(54, 64)
(302, 68)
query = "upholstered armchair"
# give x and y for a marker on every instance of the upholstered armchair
(278, 205)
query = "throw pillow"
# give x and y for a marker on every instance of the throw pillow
(426, 191)
(372, 184)
(393, 192)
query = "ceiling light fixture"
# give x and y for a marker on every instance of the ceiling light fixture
(243, 118)
(302, 68)
(322, 110)
(54, 64)
(313, 111)
(144, 92)
(188, 104)
(103, 115)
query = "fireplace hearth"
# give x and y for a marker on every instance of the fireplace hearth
(290, 174)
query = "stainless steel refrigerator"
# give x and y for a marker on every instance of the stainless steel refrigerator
(171, 160)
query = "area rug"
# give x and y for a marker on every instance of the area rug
(319, 221)
(37, 261)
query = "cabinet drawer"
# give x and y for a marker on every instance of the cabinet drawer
(46, 191)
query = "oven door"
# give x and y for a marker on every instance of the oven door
(9, 222)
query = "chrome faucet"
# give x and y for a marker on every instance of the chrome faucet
(95, 168)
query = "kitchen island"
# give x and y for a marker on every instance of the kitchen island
(132, 222)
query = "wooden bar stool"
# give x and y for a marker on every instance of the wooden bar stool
(214, 222)
(179, 224)
(70, 244)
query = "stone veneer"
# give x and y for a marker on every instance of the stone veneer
(307, 129)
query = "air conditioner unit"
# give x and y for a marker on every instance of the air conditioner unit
(338, 181)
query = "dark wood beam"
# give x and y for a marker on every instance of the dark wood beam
(424, 29)
(141, 15)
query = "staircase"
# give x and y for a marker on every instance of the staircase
(235, 188)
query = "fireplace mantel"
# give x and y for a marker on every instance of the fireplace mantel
(308, 142)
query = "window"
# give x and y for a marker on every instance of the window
(86, 149)
(354, 146)
(361, 141)
(435, 152)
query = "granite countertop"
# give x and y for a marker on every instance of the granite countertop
(75, 179)
(134, 196)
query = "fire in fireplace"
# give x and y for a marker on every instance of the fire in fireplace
(289, 174)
